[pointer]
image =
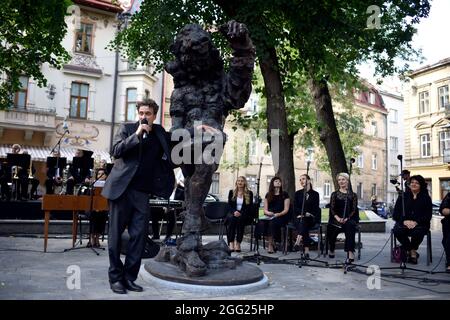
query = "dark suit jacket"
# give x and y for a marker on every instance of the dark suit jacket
(126, 154)
(247, 210)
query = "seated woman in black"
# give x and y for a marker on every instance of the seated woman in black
(240, 201)
(343, 217)
(307, 212)
(276, 209)
(445, 211)
(415, 221)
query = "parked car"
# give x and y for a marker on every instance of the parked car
(436, 205)
(381, 209)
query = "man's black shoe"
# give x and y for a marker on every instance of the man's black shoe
(130, 285)
(118, 287)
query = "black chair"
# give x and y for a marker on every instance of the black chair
(429, 249)
(216, 213)
(317, 228)
(358, 242)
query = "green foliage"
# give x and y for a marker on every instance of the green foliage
(31, 33)
(152, 30)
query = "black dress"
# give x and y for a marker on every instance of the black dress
(344, 205)
(272, 227)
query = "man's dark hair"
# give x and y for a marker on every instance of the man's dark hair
(148, 103)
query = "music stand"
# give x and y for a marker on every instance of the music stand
(53, 162)
(18, 160)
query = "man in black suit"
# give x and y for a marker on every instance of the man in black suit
(142, 167)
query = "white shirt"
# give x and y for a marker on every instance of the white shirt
(239, 203)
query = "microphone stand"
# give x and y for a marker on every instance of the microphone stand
(349, 191)
(256, 217)
(303, 260)
(91, 207)
(402, 266)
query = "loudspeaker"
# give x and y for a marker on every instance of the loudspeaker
(151, 248)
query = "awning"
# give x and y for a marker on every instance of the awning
(41, 153)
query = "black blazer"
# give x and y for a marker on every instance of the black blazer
(246, 210)
(311, 204)
(125, 151)
(419, 210)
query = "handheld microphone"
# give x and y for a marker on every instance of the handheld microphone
(144, 135)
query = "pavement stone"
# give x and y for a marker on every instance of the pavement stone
(29, 274)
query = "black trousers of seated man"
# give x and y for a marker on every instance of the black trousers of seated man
(130, 210)
(349, 229)
(402, 233)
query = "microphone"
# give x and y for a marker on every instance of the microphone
(352, 160)
(144, 135)
(399, 157)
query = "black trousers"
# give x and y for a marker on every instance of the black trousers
(157, 215)
(130, 210)
(271, 228)
(236, 227)
(303, 226)
(349, 229)
(402, 234)
(446, 238)
(6, 191)
(98, 221)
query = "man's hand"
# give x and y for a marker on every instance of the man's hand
(143, 127)
(446, 211)
(237, 214)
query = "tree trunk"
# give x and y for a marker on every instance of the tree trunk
(276, 119)
(327, 127)
(276, 110)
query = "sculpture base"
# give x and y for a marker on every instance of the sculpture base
(242, 274)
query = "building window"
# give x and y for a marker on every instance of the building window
(251, 183)
(394, 115)
(130, 105)
(214, 189)
(443, 96)
(360, 161)
(83, 38)
(79, 100)
(374, 189)
(20, 98)
(444, 141)
(371, 98)
(424, 102)
(425, 145)
(326, 189)
(394, 143)
(374, 128)
(359, 190)
(374, 161)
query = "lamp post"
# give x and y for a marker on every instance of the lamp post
(123, 18)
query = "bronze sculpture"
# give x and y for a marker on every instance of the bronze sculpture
(204, 94)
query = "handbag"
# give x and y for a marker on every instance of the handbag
(398, 254)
